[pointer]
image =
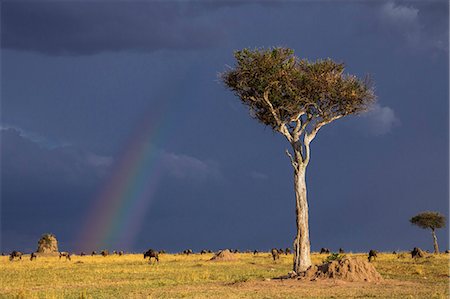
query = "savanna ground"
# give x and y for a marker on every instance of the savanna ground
(180, 276)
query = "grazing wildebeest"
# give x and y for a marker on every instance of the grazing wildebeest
(120, 253)
(287, 251)
(394, 252)
(114, 252)
(15, 254)
(235, 251)
(203, 251)
(275, 254)
(280, 251)
(94, 253)
(417, 252)
(188, 252)
(324, 250)
(210, 251)
(341, 250)
(82, 253)
(447, 251)
(151, 253)
(33, 256)
(255, 252)
(104, 253)
(372, 254)
(65, 254)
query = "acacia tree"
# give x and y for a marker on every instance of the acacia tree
(431, 220)
(296, 98)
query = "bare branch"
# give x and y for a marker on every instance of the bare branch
(310, 136)
(272, 109)
(294, 164)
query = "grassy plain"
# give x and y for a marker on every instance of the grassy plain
(180, 276)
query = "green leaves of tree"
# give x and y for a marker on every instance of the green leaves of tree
(274, 82)
(430, 220)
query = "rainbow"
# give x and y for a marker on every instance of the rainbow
(116, 215)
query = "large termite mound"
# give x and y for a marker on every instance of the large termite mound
(47, 244)
(223, 255)
(348, 269)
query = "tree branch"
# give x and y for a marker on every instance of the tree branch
(310, 136)
(294, 164)
(279, 124)
(272, 110)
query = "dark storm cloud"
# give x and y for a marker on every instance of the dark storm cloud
(409, 25)
(26, 156)
(421, 25)
(40, 162)
(82, 28)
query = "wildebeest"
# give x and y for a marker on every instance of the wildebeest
(120, 253)
(162, 252)
(372, 254)
(287, 251)
(324, 250)
(235, 251)
(255, 252)
(82, 253)
(281, 251)
(114, 252)
(341, 250)
(394, 252)
(417, 252)
(94, 253)
(151, 253)
(65, 254)
(203, 251)
(15, 254)
(447, 251)
(275, 254)
(188, 252)
(104, 253)
(33, 256)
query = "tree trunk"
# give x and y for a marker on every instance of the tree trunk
(436, 247)
(302, 251)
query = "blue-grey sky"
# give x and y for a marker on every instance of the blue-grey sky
(79, 78)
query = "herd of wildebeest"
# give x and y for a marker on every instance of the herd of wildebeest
(275, 253)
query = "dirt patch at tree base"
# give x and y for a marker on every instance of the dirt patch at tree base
(223, 255)
(346, 269)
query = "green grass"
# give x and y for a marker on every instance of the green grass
(179, 276)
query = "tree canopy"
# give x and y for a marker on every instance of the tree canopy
(428, 219)
(280, 89)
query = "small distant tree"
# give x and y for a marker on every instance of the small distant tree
(296, 98)
(431, 220)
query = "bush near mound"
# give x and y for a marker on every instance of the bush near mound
(47, 244)
(223, 255)
(348, 269)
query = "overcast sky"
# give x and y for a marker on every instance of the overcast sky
(80, 79)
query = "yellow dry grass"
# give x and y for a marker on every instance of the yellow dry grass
(180, 276)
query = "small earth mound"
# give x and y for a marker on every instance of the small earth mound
(47, 244)
(348, 269)
(223, 255)
(418, 253)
